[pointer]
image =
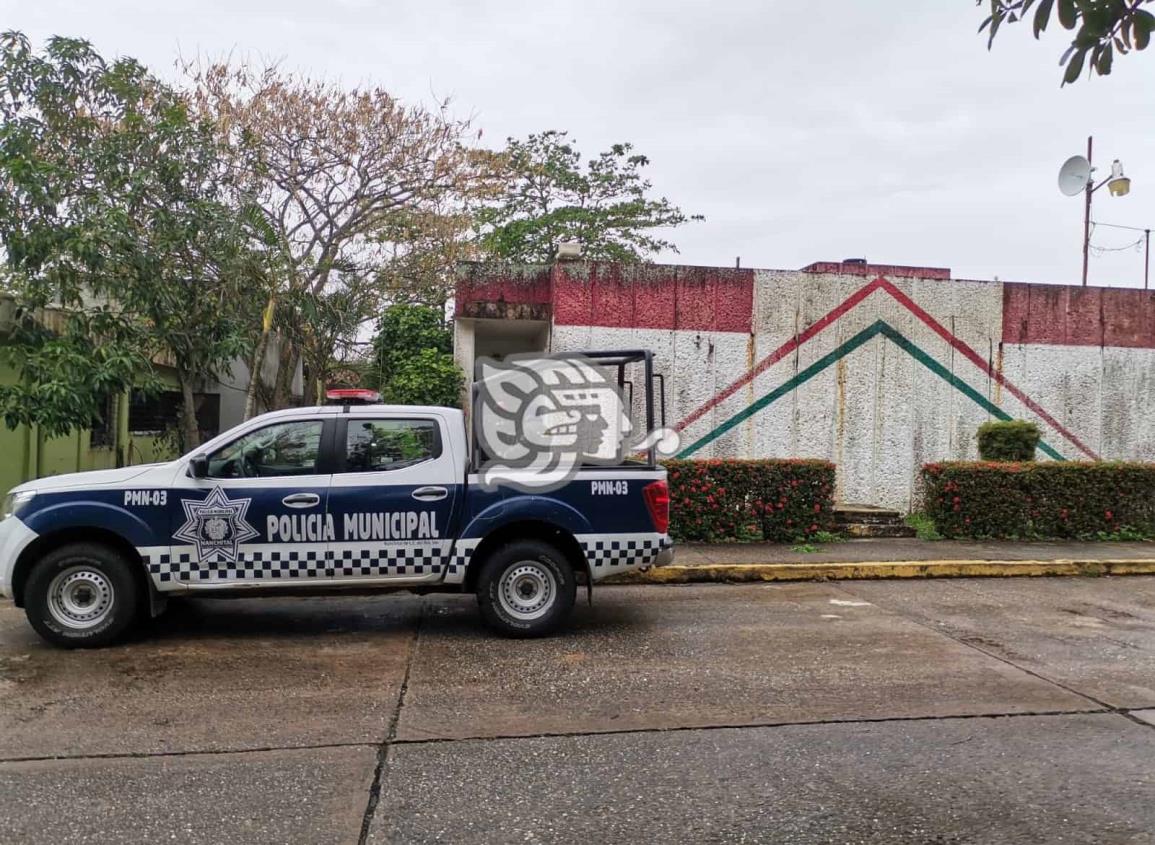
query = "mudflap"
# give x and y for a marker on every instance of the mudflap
(157, 601)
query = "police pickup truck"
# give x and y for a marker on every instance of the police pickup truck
(329, 498)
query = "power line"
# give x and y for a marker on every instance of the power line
(1117, 226)
(1100, 250)
(1143, 244)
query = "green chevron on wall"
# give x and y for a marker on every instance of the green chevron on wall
(879, 327)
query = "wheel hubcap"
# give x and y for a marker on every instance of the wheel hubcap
(527, 590)
(80, 597)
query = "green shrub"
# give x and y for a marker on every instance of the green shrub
(777, 500)
(923, 526)
(1045, 500)
(1007, 440)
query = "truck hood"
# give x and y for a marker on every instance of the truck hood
(93, 478)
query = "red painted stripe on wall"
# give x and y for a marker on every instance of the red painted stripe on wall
(1068, 316)
(528, 286)
(643, 296)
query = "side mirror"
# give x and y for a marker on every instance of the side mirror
(198, 466)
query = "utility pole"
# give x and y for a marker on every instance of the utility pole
(1117, 183)
(1087, 214)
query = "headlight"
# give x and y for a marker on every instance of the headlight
(14, 502)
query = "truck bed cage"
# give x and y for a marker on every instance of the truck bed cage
(616, 358)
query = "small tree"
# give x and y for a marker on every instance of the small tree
(551, 198)
(1007, 440)
(413, 357)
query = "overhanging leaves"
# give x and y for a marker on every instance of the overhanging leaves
(1101, 28)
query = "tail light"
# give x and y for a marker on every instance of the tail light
(657, 497)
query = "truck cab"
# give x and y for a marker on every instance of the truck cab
(317, 500)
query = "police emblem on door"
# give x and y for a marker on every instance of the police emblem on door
(216, 526)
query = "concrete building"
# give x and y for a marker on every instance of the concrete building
(877, 368)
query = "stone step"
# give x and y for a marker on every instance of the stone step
(870, 519)
(864, 521)
(870, 530)
(864, 513)
(857, 520)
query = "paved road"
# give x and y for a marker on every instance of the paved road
(934, 712)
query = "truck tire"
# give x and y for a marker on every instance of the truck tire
(526, 589)
(82, 595)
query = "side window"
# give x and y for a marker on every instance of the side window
(378, 445)
(289, 448)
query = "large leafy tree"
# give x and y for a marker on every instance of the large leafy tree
(1101, 28)
(551, 197)
(351, 182)
(124, 242)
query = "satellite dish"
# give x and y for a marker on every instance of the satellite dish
(1073, 175)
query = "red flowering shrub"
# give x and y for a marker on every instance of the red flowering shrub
(776, 500)
(1059, 499)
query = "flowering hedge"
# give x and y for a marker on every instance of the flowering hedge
(1040, 500)
(750, 500)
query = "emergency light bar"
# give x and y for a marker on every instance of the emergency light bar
(352, 396)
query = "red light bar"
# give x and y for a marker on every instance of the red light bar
(352, 395)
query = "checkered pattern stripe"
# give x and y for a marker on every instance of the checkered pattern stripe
(609, 553)
(459, 560)
(391, 561)
(286, 565)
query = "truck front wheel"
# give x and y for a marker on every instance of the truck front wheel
(81, 595)
(526, 589)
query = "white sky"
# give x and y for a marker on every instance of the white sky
(803, 131)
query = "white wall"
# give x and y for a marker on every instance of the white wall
(879, 413)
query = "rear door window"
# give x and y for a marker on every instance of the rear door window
(387, 444)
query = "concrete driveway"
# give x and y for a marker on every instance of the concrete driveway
(932, 711)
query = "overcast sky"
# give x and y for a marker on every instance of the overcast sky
(802, 135)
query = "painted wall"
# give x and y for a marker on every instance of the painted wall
(877, 368)
(28, 454)
(25, 454)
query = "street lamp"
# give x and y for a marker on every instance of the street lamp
(1078, 176)
(1118, 184)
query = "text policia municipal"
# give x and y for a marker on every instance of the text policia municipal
(317, 527)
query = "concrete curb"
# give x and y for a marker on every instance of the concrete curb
(746, 572)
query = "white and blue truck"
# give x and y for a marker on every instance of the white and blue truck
(326, 499)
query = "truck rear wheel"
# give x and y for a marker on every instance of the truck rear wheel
(526, 589)
(81, 595)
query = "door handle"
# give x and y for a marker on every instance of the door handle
(301, 500)
(430, 494)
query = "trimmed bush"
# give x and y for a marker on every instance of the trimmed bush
(1007, 440)
(750, 500)
(1048, 500)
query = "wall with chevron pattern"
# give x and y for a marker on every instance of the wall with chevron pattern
(877, 368)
